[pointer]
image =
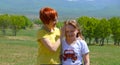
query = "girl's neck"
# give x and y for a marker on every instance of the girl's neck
(70, 41)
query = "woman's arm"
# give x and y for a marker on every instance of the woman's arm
(52, 46)
(86, 59)
(62, 33)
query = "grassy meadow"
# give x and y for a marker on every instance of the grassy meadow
(22, 50)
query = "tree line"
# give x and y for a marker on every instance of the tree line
(14, 22)
(93, 29)
(100, 29)
(97, 30)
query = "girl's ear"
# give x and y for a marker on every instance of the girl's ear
(78, 33)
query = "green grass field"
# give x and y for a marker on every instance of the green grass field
(22, 50)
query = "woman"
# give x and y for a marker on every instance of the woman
(48, 37)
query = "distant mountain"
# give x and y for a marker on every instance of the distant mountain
(66, 8)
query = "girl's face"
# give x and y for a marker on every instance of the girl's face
(70, 32)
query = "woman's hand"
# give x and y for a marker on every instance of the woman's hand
(62, 32)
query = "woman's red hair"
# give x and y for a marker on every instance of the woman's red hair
(46, 14)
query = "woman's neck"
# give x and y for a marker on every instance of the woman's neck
(48, 28)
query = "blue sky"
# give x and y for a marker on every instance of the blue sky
(64, 7)
(29, 3)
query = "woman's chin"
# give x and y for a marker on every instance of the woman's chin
(54, 25)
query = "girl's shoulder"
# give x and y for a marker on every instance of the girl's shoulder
(81, 41)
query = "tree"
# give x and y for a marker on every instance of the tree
(83, 25)
(16, 23)
(37, 21)
(28, 23)
(104, 30)
(115, 27)
(59, 24)
(4, 22)
(96, 35)
(88, 25)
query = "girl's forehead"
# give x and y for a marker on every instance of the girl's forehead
(69, 27)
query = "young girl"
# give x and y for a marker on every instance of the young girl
(74, 48)
(48, 38)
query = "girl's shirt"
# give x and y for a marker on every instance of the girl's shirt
(72, 54)
(45, 56)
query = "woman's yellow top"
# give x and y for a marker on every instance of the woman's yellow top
(45, 56)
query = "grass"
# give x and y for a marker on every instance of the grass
(17, 55)
(22, 50)
(105, 55)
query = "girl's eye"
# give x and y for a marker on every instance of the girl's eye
(66, 31)
(72, 31)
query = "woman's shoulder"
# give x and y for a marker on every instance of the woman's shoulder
(57, 29)
(42, 30)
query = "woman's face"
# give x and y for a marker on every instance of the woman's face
(52, 23)
(70, 31)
